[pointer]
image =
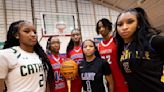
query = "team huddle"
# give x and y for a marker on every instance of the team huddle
(130, 59)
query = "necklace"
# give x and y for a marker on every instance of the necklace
(126, 46)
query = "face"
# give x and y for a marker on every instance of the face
(127, 25)
(102, 29)
(55, 45)
(88, 48)
(76, 36)
(27, 35)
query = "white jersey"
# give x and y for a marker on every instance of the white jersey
(22, 71)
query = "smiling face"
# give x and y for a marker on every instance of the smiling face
(27, 35)
(126, 25)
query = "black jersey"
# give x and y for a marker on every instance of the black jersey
(92, 73)
(146, 74)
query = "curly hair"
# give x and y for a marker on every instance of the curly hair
(106, 23)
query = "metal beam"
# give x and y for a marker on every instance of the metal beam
(5, 16)
(107, 4)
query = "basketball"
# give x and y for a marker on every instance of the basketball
(69, 69)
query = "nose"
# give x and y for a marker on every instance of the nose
(33, 34)
(88, 47)
(125, 26)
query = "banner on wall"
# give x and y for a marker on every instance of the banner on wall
(97, 40)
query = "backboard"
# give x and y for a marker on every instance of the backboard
(57, 24)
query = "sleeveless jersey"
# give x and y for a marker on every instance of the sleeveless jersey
(76, 54)
(108, 51)
(60, 82)
(22, 71)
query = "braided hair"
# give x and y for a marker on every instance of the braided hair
(12, 41)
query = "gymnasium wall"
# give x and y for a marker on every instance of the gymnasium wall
(89, 14)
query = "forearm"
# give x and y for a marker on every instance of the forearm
(109, 79)
(111, 88)
(1, 85)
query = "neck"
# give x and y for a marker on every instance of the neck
(107, 37)
(76, 43)
(90, 58)
(56, 53)
(29, 49)
(127, 40)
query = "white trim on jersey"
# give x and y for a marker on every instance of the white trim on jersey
(77, 49)
(107, 43)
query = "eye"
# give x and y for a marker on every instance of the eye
(26, 30)
(35, 32)
(85, 46)
(130, 21)
(119, 24)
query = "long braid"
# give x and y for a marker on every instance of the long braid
(11, 40)
(70, 46)
(38, 49)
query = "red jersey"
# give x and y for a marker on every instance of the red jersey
(60, 83)
(76, 54)
(108, 51)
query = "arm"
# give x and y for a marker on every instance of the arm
(108, 75)
(47, 87)
(3, 71)
(2, 85)
(109, 79)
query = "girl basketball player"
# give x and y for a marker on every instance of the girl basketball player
(74, 52)
(24, 65)
(92, 69)
(108, 50)
(53, 47)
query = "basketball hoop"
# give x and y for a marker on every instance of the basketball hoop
(61, 27)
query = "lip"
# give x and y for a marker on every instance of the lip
(125, 33)
(101, 32)
(34, 40)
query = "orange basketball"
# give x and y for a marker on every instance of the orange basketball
(69, 69)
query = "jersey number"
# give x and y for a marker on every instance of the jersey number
(88, 86)
(41, 81)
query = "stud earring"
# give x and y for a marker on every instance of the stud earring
(17, 37)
